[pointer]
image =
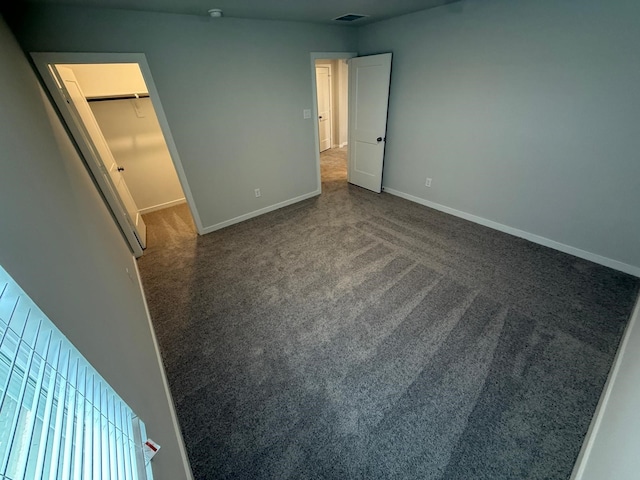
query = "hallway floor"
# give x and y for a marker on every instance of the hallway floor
(333, 166)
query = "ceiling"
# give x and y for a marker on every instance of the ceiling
(316, 11)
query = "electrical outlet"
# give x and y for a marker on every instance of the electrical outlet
(428, 182)
(257, 191)
(306, 113)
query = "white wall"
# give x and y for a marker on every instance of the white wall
(339, 99)
(335, 127)
(233, 91)
(339, 106)
(139, 147)
(611, 447)
(340, 86)
(107, 80)
(524, 113)
(59, 242)
(343, 102)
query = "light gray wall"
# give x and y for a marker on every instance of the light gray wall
(58, 241)
(233, 92)
(523, 112)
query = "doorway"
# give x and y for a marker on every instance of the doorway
(325, 102)
(332, 103)
(330, 83)
(367, 82)
(112, 111)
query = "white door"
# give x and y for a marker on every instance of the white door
(323, 86)
(368, 100)
(117, 193)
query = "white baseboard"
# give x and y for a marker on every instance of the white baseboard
(581, 466)
(261, 211)
(607, 262)
(342, 145)
(161, 206)
(165, 382)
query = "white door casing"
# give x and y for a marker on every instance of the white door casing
(101, 161)
(323, 85)
(369, 79)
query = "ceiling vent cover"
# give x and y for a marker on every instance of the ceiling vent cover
(350, 17)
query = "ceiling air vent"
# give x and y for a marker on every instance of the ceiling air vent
(350, 17)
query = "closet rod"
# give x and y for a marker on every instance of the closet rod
(118, 97)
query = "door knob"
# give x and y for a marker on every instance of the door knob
(320, 117)
(121, 169)
(379, 139)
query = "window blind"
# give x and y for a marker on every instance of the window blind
(59, 419)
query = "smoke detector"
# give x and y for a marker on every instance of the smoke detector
(215, 13)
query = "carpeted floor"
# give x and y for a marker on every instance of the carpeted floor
(361, 336)
(333, 168)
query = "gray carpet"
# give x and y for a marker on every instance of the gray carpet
(361, 336)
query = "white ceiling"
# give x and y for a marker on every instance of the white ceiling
(317, 11)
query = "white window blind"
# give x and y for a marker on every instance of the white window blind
(59, 419)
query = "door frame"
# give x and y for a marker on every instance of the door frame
(43, 59)
(329, 67)
(95, 147)
(314, 91)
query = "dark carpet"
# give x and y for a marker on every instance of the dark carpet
(361, 336)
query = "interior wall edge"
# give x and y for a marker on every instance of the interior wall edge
(582, 468)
